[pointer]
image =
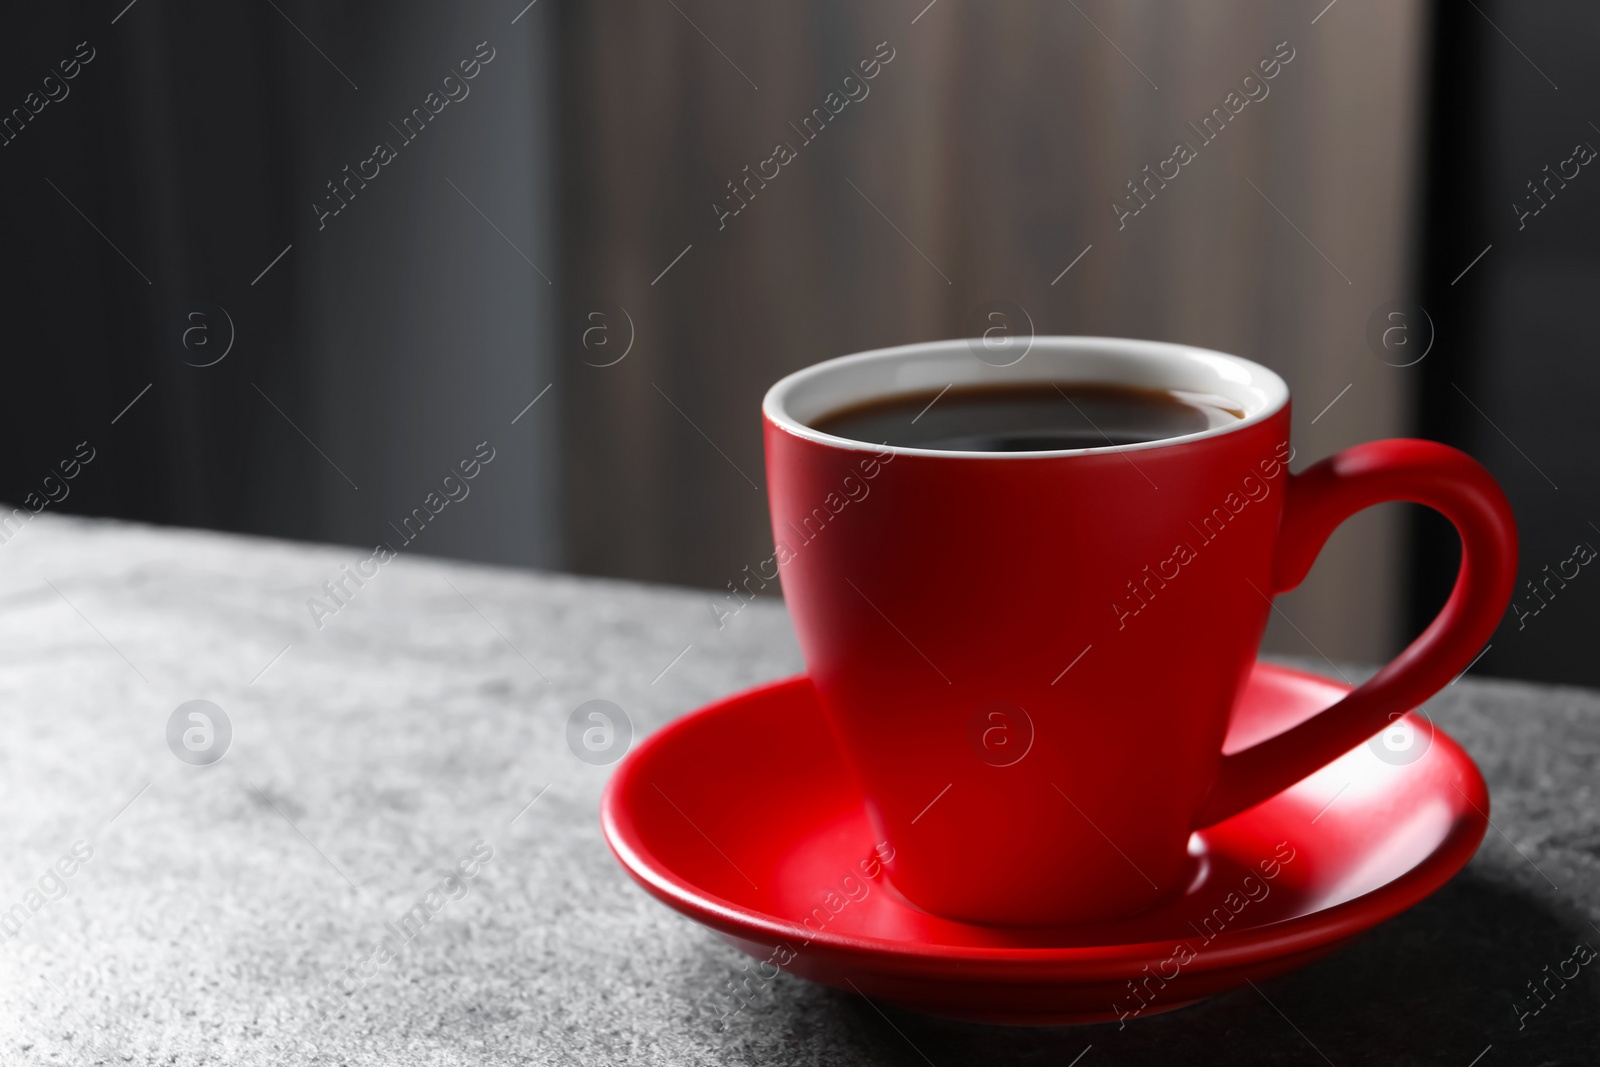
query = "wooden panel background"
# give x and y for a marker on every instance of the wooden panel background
(991, 148)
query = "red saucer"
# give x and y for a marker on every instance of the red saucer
(743, 816)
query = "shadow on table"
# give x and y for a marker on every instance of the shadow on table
(1438, 984)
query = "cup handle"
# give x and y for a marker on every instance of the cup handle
(1318, 500)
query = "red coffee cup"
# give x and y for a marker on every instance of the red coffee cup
(1029, 658)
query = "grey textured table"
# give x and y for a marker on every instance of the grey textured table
(371, 757)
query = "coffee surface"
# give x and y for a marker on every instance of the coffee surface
(1036, 417)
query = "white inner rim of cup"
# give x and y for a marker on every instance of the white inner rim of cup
(806, 395)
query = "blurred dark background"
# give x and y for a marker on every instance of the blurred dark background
(558, 230)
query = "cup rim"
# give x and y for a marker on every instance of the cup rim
(1234, 376)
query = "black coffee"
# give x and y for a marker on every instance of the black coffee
(1037, 417)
